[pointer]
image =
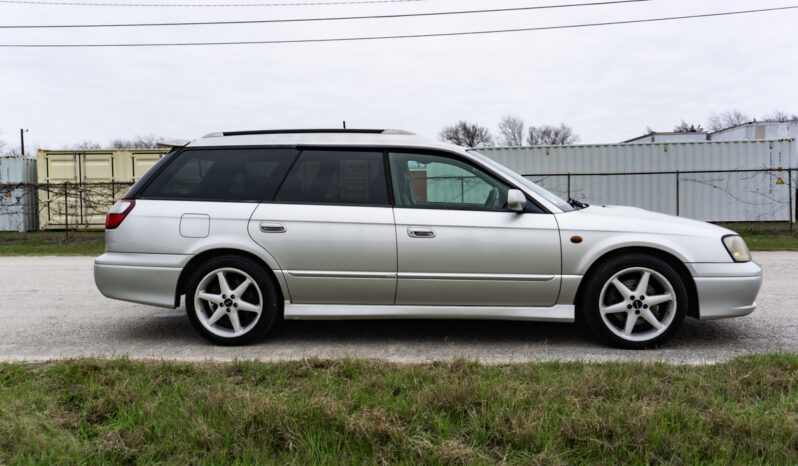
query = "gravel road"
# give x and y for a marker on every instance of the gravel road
(51, 309)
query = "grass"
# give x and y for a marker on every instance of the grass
(760, 236)
(744, 411)
(767, 236)
(52, 243)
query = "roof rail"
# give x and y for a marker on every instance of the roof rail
(300, 131)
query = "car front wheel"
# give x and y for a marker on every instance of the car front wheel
(231, 301)
(634, 301)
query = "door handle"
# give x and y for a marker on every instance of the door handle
(420, 232)
(272, 227)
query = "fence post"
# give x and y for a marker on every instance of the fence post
(66, 210)
(569, 186)
(677, 193)
(789, 192)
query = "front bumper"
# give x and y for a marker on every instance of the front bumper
(140, 278)
(726, 290)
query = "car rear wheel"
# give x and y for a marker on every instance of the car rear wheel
(230, 300)
(634, 301)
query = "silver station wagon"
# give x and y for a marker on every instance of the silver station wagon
(255, 226)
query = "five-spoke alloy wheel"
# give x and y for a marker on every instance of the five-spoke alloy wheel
(634, 301)
(231, 301)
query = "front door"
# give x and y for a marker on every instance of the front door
(458, 244)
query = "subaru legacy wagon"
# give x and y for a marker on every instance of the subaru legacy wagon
(255, 226)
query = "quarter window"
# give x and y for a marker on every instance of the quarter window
(336, 177)
(222, 175)
(437, 182)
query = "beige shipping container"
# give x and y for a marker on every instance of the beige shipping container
(78, 187)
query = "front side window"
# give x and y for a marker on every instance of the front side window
(336, 177)
(546, 194)
(437, 182)
(243, 175)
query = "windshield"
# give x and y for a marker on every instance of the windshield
(545, 193)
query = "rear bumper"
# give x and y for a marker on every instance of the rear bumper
(140, 278)
(726, 290)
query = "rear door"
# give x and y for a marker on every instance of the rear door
(459, 245)
(331, 229)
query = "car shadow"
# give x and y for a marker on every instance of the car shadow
(173, 328)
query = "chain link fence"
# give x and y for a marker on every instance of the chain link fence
(717, 196)
(766, 195)
(58, 206)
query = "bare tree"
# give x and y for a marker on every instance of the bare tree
(466, 134)
(149, 141)
(511, 129)
(84, 145)
(780, 116)
(137, 142)
(683, 127)
(551, 135)
(727, 119)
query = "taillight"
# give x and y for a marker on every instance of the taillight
(118, 213)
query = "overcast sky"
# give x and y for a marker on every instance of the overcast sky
(608, 83)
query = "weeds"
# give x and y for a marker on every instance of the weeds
(356, 411)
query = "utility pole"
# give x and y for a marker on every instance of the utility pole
(344, 124)
(22, 140)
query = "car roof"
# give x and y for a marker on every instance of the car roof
(321, 137)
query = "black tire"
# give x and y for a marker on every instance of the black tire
(629, 266)
(256, 327)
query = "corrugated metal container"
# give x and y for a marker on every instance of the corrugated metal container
(94, 179)
(745, 196)
(17, 197)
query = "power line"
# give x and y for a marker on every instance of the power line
(194, 5)
(337, 18)
(405, 36)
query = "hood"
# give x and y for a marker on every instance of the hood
(634, 219)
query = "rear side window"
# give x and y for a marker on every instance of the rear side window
(251, 175)
(336, 177)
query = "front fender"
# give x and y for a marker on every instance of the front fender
(578, 257)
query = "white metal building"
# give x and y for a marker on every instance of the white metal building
(757, 130)
(669, 137)
(700, 180)
(18, 204)
(754, 130)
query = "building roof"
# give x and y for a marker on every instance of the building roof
(665, 133)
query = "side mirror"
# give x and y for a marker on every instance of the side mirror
(516, 200)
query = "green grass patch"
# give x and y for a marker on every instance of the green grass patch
(744, 411)
(55, 243)
(767, 236)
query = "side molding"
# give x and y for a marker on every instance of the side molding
(557, 313)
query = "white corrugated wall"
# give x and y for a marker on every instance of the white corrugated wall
(18, 204)
(749, 196)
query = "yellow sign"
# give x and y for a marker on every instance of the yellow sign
(779, 181)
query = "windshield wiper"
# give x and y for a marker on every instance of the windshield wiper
(577, 204)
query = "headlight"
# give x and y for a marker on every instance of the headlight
(737, 248)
